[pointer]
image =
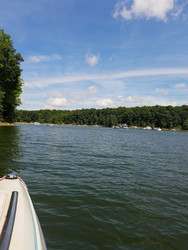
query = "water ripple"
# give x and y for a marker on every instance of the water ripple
(99, 188)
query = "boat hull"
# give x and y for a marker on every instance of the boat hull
(22, 230)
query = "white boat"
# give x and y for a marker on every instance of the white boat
(147, 128)
(158, 129)
(122, 125)
(19, 225)
(116, 127)
(37, 123)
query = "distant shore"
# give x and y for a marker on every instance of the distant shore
(58, 124)
(85, 125)
(6, 124)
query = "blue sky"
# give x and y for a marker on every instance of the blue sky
(100, 53)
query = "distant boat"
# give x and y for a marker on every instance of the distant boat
(122, 125)
(147, 128)
(19, 225)
(36, 123)
(50, 124)
(158, 129)
(116, 127)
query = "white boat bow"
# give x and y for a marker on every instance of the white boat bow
(19, 225)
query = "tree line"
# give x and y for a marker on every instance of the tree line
(155, 116)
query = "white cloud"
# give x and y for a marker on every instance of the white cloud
(144, 9)
(74, 96)
(61, 98)
(92, 60)
(178, 9)
(161, 91)
(43, 58)
(25, 102)
(28, 85)
(104, 103)
(110, 82)
(137, 100)
(57, 102)
(110, 77)
(29, 104)
(92, 90)
(181, 86)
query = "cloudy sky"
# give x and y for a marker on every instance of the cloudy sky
(100, 53)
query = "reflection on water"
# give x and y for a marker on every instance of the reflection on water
(9, 149)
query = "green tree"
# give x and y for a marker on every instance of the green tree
(155, 116)
(10, 81)
(185, 125)
(1, 106)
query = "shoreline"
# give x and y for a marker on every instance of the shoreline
(6, 124)
(59, 124)
(85, 125)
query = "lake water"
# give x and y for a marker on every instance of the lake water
(103, 188)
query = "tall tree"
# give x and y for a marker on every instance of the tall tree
(1, 106)
(10, 81)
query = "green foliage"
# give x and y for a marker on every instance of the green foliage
(185, 125)
(1, 106)
(157, 116)
(10, 81)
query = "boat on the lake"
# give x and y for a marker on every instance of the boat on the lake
(147, 128)
(19, 225)
(158, 129)
(122, 125)
(36, 123)
(50, 124)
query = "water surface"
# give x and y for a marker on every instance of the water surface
(101, 188)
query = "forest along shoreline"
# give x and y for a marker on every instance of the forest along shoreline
(166, 117)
